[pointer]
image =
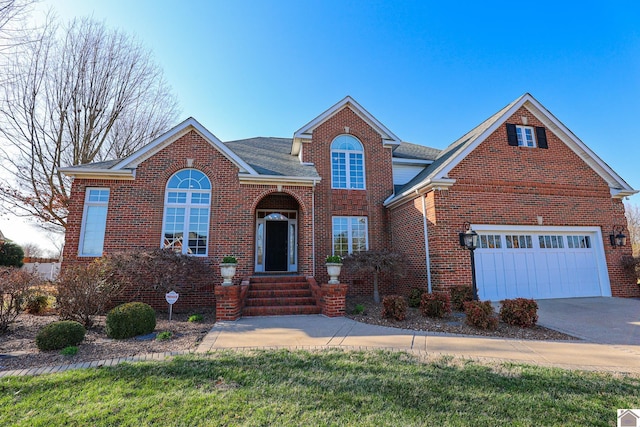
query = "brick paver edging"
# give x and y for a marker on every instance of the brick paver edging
(425, 356)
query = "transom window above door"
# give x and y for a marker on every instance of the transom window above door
(186, 212)
(347, 163)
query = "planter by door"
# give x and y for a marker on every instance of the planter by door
(228, 270)
(333, 269)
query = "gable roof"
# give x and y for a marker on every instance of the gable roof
(305, 132)
(436, 174)
(409, 151)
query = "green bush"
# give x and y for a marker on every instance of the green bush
(58, 335)
(436, 304)
(196, 318)
(459, 295)
(415, 294)
(394, 307)
(229, 259)
(130, 320)
(11, 255)
(519, 312)
(480, 314)
(69, 351)
(164, 336)
(358, 309)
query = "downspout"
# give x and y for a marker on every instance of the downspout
(313, 230)
(426, 241)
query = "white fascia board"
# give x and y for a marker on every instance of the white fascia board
(617, 193)
(277, 179)
(420, 188)
(401, 161)
(86, 173)
(175, 133)
(388, 137)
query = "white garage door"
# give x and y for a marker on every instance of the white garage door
(536, 262)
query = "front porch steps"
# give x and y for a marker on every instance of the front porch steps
(279, 295)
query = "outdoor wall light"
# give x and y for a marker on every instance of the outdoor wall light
(616, 237)
(469, 240)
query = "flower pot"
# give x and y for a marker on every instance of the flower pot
(333, 270)
(228, 270)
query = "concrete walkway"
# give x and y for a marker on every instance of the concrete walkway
(317, 331)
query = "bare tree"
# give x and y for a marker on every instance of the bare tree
(13, 14)
(378, 263)
(632, 212)
(77, 95)
(32, 250)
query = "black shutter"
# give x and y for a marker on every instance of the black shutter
(511, 135)
(541, 136)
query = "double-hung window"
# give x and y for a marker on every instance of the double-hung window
(349, 234)
(347, 163)
(94, 222)
(186, 212)
(525, 136)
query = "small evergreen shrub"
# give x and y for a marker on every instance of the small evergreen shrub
(358, 309)
(196, 318)
(58, 335)
(459, 295)
(521, 312)
(36, 303)
(436, 304)
(415, 294)
(69, 351)
(480, 314)
(164, 336)
(130, 320)
(229, 259)
(334, 259)
(394, 307)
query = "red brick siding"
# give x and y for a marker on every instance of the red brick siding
(339, 202)
(135, 212)
(501, 184)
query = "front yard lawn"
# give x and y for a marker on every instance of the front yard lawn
(328, 387)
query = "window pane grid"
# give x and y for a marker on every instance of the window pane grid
(349, 235)
(94, 222)
(347, 163)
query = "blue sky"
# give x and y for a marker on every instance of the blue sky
(429, 71)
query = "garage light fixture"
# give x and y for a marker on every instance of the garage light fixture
(469, 240)
(616, 236)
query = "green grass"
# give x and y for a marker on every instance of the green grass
(330, 387)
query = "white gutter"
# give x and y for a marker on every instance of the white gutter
(426, 241)
(128, 174)
(270, 179)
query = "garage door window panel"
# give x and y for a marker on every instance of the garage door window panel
(579, 242)
(551, 242)
(519, 242)
(491, 241)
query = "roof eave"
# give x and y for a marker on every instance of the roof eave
(86, 173)
(420, 188)
(279, 179)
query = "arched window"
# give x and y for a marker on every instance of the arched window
(186, 212)
(347, 163)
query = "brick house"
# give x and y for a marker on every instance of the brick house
(544, 206)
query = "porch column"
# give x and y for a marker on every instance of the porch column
(334, 299)
(228, 302)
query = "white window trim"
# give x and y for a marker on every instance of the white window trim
(522, 133)
(187, 213)
(348, 166)
(87, 204)
(350, 233)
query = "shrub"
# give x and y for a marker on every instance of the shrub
(11, 255)
(58, 335)
(358, 309)
(334, 259)
(130, 320)
(394, 307)
(36, 303)
(459, 295)
(69, 351)
(161, 269)
(84, 291)
(379, 263)
(164, 336)
(436, 304)
(415, 294)
(196, 318)
(229, 259)
(480, 314)
(15, 287)
(519, 312)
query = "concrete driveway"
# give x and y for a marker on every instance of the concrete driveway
(598, 320)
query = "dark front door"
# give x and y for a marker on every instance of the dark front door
(276, 246)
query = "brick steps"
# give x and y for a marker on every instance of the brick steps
(279, 295)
